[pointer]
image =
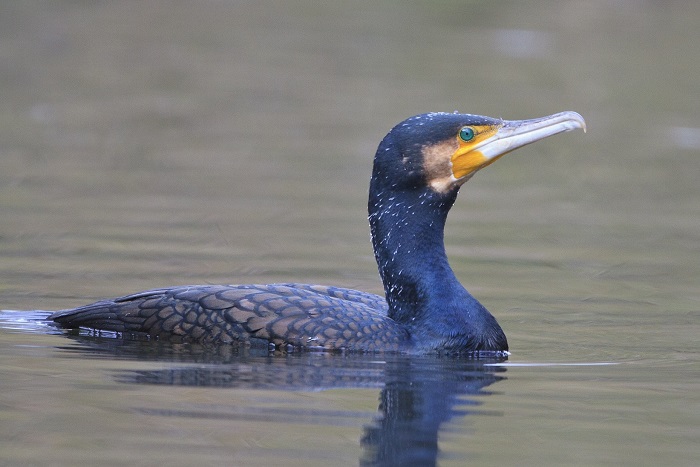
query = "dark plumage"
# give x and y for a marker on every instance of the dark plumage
(418, 170)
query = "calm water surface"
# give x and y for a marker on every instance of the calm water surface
(155, 144)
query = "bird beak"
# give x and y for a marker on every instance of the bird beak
(509, 136)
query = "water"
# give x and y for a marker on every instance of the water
(164, 144)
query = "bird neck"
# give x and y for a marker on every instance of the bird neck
(421, 290)
(407, 231)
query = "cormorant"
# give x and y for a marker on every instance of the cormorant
(419, 168)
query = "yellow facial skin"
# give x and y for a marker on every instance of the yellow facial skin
(467, 159)
(450, 163)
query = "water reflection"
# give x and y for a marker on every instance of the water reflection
(418, 394)
(417, 398)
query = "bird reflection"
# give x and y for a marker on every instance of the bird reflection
(418, 394)
(417, 398)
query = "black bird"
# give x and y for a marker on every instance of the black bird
(419, 168)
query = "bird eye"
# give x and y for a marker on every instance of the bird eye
(466, 134)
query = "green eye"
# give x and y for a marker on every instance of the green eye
(466, 134)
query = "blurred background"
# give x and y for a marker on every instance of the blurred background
(153, 144)
(128, 126)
